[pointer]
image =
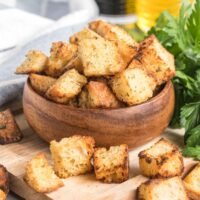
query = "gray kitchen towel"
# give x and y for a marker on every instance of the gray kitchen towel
(11, 85)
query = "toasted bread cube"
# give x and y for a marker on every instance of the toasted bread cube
(112, 32)
(72, 156)
(40, 175)
(100, 57)
(155, 59)
(9, 129)
(2, 195)
(61, 54)
(4, 180)
(41, 83)
(66, 87)
(163, 159)
(98, 95)
(192, 183)
(35, 63)
(162, 189)
(133, 86)
(111, 165)
(125, 42)
(84, 34)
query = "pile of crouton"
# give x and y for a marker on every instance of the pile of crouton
(102, 66)
(162, 163)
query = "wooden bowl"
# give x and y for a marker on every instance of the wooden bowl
(134, 125)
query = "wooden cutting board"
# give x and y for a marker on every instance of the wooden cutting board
(84, 187)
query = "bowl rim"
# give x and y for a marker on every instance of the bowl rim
(164, 90)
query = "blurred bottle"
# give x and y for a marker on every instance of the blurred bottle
(149, 10)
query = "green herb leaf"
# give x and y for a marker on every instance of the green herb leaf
(192, 152)
(190, 115)
(193, 138)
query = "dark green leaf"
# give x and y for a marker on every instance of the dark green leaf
(192, 152)
(193, 137)
(190, 115)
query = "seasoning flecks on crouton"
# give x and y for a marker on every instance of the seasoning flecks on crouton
(112, 165)
(124, 41)
(83, 34)
(72, 156)
(40, 175)
(163, 159)
(133, 86)
(155, 59)
(98, 95)
(61, 54)
(66, 87)
(41, 83)
(162, 189)
(35, 62)
(192, 183)
(100, 57)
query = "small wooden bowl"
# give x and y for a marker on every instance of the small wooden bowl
(134, 125)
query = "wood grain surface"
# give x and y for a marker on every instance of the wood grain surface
(134, 125)
(14, 157)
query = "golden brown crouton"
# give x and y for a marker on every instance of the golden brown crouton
(155, 59)
(66, 87)
(133, 86)
(83, 34)
(162, 189)
(9, 130)
(100, 57)
(61, 54)
(2, 195)
(192, 183)
(98, 95)
(4, 180)
(41, 83)
(72, 156)
(35, 63)
(163, 159)
(111, 165)
(40, 175)
(126, 44)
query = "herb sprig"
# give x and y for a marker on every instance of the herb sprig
(181, 36)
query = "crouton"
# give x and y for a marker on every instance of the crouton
(163, 159)
(112, 32)
(98, 95)
(100, 57)
(125, 42)
(2, 195)
(111, 165)
(66, 87)
(162, 189)
(9, 130)
(35, 62)
(155, 59)
(192, 183)
(83, 34)
(74, 63)
(72, 156)
(61, 54)
(41, 83)
(40, 175)
(73, 102)
(133, 86)
(4, 180)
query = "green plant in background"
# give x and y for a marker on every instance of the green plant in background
(181, 36)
